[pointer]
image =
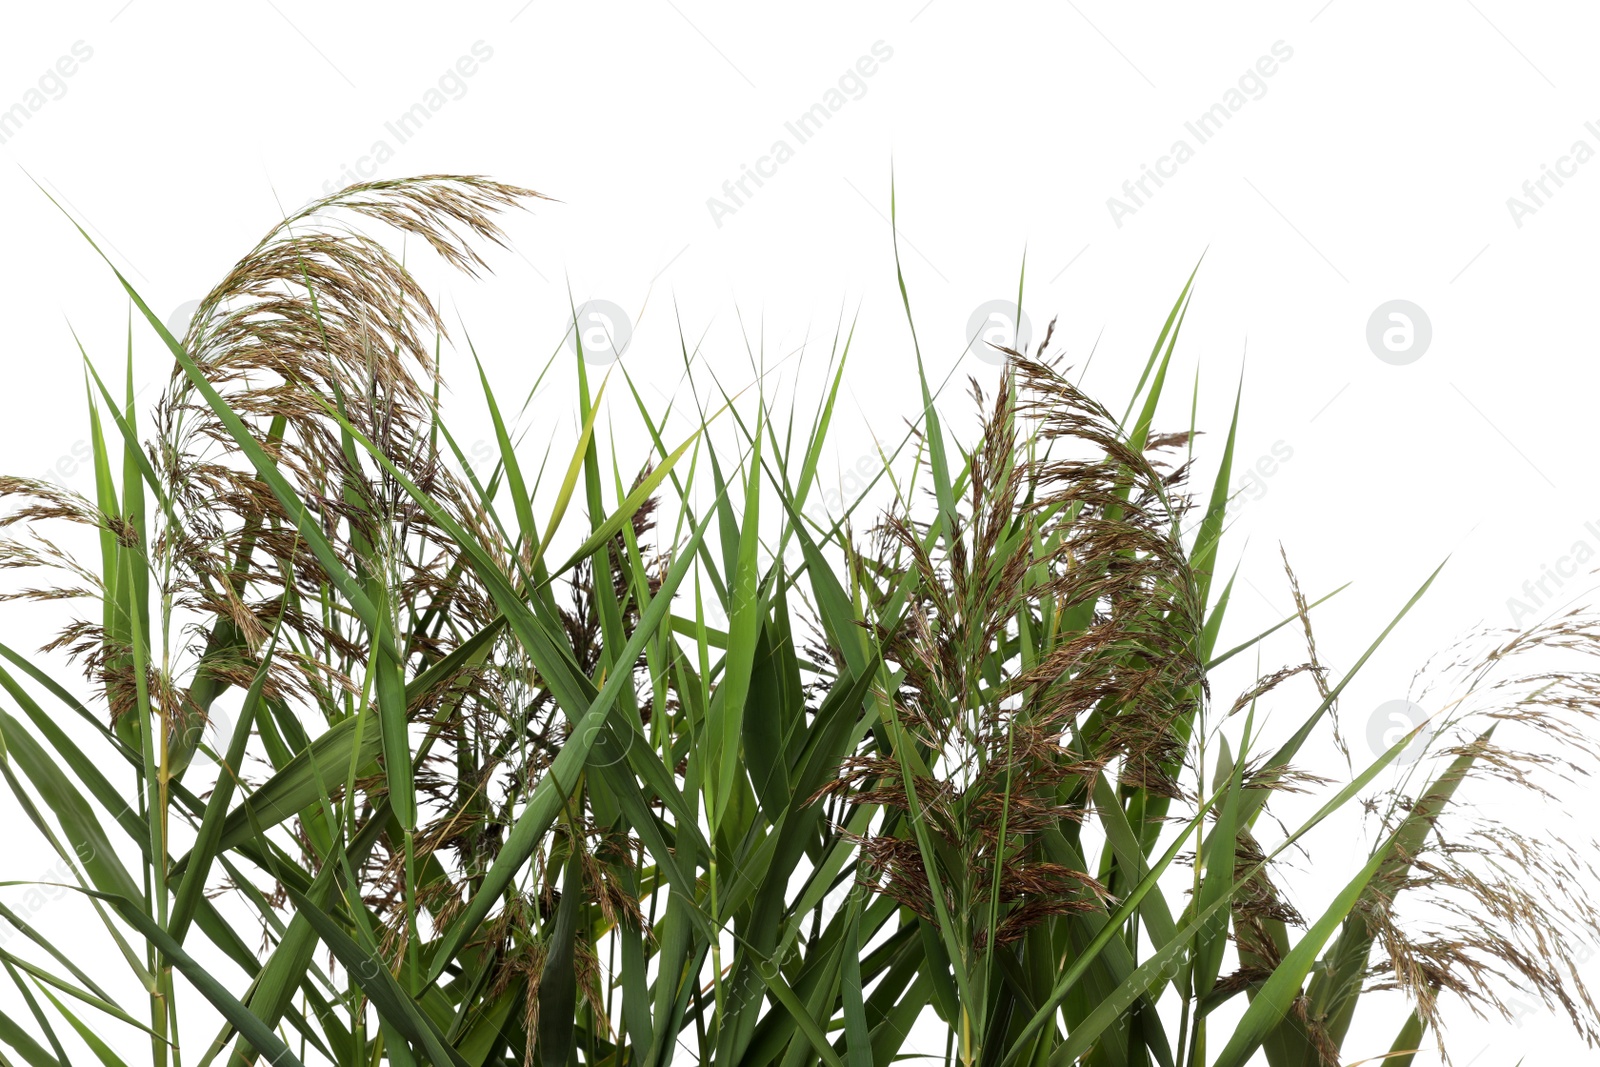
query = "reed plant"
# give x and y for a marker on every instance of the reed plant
(370, 755)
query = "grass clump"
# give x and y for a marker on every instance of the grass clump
(468, 755)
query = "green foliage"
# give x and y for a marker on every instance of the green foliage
(487, 808)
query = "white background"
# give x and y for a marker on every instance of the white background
(1376, 165)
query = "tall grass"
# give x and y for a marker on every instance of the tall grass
(499, 785)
